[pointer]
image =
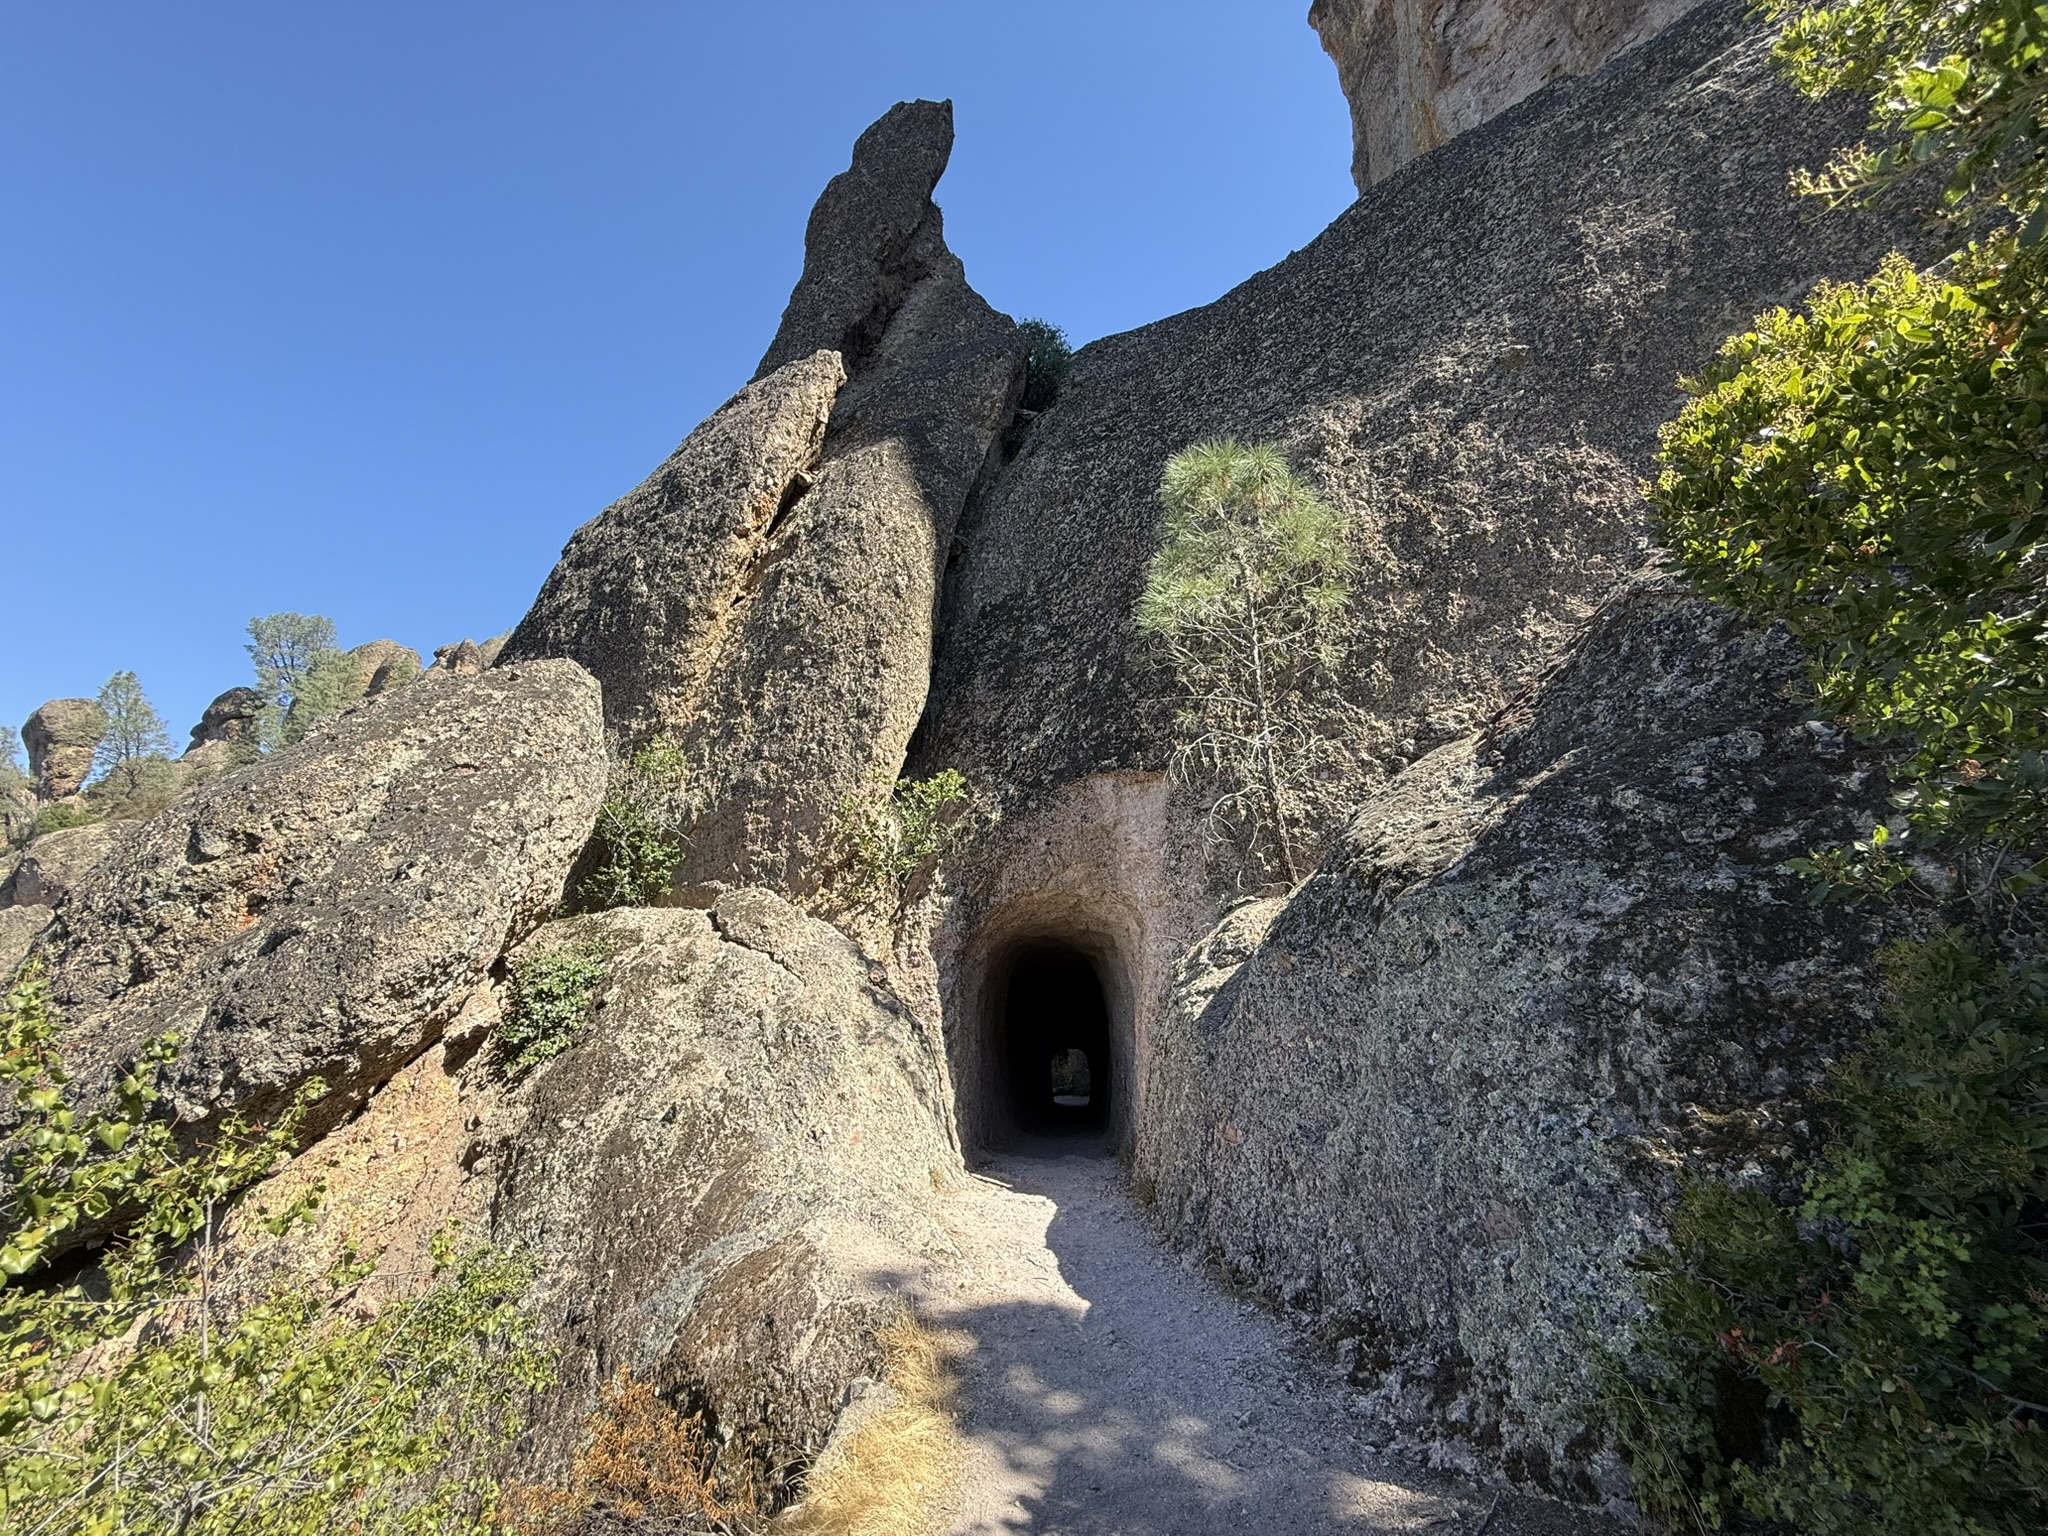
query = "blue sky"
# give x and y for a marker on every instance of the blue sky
(359, 309)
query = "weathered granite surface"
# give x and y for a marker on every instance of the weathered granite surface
(325, 910)
(1435, 1109)
(1471, 364)
(728, 1181)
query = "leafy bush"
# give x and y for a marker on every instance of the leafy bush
(1252, 567)
(888, 845)
(1045, 370)
(139, 788)
(168, 1393)
(548, 1004)
(1872, 473)
(639, 835)
(1875, 1361)
(1954, 84)
(61, 817)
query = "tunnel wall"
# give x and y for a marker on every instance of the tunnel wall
(1104, 867)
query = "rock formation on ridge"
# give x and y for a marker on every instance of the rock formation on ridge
(792, 674)
(231, 718)
(1417, 75)
(60, 739)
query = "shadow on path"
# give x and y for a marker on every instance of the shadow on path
(1108, 1388)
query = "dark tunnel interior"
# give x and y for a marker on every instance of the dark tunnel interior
(1055, 1045)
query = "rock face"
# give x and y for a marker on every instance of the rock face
(645, 591)
(793, 669)
(53, 865)
(60, 739)
(1438, 1109)
(231, 718)
(1470, 365)
(725, 1180)
(325, 910)
(385, 664)
(1419, 72)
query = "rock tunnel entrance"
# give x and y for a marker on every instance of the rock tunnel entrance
(1057, 1063)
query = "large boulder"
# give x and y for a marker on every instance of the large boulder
(325, 910)
(53, 865)
(823, 675)
(727, 1183)
(1419, 74)
(60, 739)
(384, 664)
(233, 718)
(1441, 1106)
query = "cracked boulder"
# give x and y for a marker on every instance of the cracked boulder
(644, 590)
(60, 739)
(1549, 966)
(726, 1182)
(766, 599)
(822, 675)
(325, 910)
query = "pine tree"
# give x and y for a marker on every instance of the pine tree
(135, 740)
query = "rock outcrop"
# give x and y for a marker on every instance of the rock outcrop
(645, 591)
(384, 664)
(726, 1184)
(1439, 1108)
(1419, 72)
(60, 739)
(53, 865)
(231, 718)
(792, 673)
(1471, 365)
(325, 910)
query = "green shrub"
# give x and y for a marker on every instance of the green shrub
(548, 1003)
(60, 817)
(1045, 370)
(1876, 1361)
(887, 845)
(139, 787)
(1874, 474)
(639, 834)
(168, 1392)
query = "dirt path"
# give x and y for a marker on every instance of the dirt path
(1112, 1391)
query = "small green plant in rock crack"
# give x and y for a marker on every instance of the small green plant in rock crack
(639, 833)
(888, 844)
(549, 1003)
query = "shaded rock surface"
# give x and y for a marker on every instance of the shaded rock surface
(1471, 364)
(53, 865)
(729, 1180)
(1439, 1108)
(230, 718)
(60, 738)
(325, 910)
(1419, 72)
(825, 675)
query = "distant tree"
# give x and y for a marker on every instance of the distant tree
(11, 767)
(1251, 569)
(135, 742)
(1045, 371)
(301, 673)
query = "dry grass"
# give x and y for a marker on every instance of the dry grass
(894, 1475)
(645, 1461)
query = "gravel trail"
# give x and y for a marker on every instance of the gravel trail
(1110, 1390)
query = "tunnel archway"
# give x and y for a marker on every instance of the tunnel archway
(1054, 1044)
